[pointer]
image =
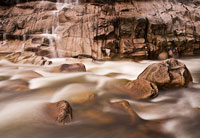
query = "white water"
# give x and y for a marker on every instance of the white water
(21, 112)
(54, 37)
(4, 39)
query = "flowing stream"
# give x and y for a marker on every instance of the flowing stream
(173, 113)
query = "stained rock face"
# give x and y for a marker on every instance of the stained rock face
(170, 73)
(60, 112)
(137, 89)
(104, 29)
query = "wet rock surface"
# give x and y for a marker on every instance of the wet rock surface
(72, 68)
(137, 89)
(126, 107)
(83, 97)
(170, 73)
(69, 68)
(27, 58)
(17, 85)
(60, 112)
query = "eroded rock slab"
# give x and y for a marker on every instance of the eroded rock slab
(27, 58)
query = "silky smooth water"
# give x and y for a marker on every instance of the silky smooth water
(174, 113)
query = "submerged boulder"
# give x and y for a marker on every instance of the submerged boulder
(68, 68)
(126, 107)
(137, 89)
(78, 67)
(82, 97)
(26, 75)
(17, 85)
(170, 73)
(60, 112)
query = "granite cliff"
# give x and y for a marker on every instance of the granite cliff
(144, 29)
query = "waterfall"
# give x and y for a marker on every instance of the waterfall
(24, 43)
(54, 37)
(4, 39)
(53, 34)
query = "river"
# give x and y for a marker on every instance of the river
(173, 113)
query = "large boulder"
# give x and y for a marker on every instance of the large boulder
(170, 73)
(136, 89)
(60, 112)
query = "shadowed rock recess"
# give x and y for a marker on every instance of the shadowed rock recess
(101, 29)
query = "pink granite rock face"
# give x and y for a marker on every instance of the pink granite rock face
(102, 29)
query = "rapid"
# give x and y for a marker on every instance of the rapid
(173, 113)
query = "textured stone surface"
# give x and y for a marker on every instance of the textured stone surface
(136, 89)
(105, 29)
(78, 67)
(69, 68)
(170, 73)
(60, 112)
(27, 58)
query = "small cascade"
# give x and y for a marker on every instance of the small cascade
(60, 4)
(55, 22)
(53, 47)
(52, 34)
(24, 43)
(4, 39)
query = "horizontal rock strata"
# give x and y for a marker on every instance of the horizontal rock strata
(102, 29)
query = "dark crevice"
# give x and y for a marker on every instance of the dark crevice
(154, 94)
